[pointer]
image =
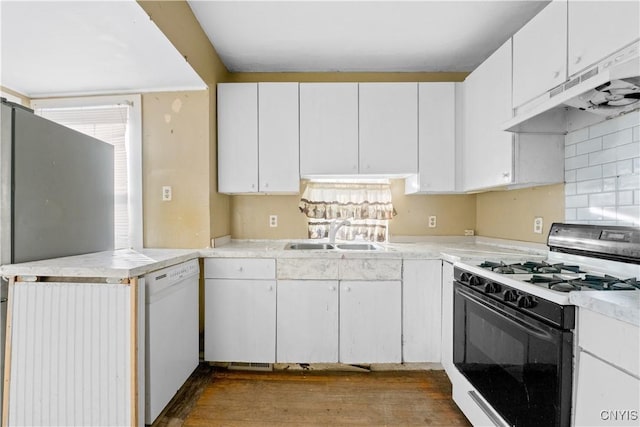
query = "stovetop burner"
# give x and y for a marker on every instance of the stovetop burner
(589, 282)
(530, 267)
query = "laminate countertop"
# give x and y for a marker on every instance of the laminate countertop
(125, 263)
(118, 264)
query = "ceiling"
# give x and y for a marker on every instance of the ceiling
(65, 48)
(385, 36)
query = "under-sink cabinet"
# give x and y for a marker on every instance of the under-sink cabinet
(307, 321)
(370, 322)
(240, 310)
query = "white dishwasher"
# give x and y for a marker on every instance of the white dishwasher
(171, 335)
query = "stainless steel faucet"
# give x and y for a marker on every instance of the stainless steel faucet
(333, 229)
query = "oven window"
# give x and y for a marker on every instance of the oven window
(516, 369)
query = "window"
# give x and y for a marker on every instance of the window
(367, 206)
(116, 120)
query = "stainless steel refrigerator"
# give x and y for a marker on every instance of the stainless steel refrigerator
(56, 193)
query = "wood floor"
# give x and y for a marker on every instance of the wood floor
(217, 397)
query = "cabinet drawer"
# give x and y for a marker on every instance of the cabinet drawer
(610, 339)
(239, 268)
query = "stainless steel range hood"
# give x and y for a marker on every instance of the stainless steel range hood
(607, 89)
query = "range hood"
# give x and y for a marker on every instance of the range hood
(608, 89)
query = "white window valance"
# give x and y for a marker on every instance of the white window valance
(367, 206)
(347, 201)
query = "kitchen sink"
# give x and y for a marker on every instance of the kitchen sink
(358, 246)
(309, 246)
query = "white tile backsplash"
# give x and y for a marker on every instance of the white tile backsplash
(589, 146)
(591, 172)
(618, 138)
(602, 172)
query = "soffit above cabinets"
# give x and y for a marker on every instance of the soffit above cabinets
(66, 48)
(383, 36)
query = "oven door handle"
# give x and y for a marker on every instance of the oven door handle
(519, 323)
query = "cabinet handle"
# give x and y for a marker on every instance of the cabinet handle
(270, 288)
(266, 185)
(332, 288)
(577, 59)
(253, 186)
(348, 288)
(506, 174)
(241, 269)
(556, 74)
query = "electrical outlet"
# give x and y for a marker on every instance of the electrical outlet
(469, 232)
(166, 193)
(537, 225)
(432, 221)
(273, 220)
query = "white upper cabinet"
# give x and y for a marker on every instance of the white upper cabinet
(436, 139)
(237, 138)
(388, 123)
(328, 128)
(258, 138)
(278, 137)
(487, 150)
(540, 53)
(598, 29)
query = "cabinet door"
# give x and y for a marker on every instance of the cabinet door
(437, 137)
(240, 320)
(447, 318)
(328, 128)
(370, 322)
(598, 29)
(540, 53)
(237, 137)
(603, 392)
(421, 310)
(487, 150)
(278, 137)
(307, 321)
(388, 122)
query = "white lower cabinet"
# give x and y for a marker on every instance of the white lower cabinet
(240, 320)
(240, 310)
(370, 322)
(421, 310)
(607, 383)
(447, 318)
(606, 395)
(307, 321)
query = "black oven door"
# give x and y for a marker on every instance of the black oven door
(521, 366)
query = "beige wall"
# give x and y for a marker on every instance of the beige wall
(175, 147)
(509, 214)
(176, 20)
(455, 213)
(250, 215)
(506, 214)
